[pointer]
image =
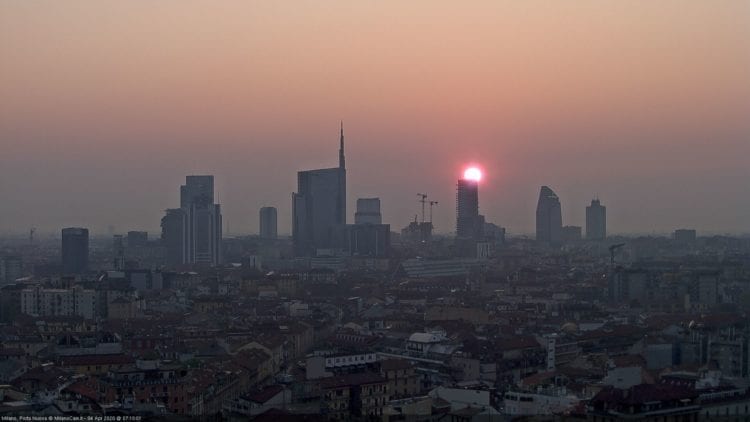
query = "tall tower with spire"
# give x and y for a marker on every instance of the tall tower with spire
(342, 159)
(319, 206)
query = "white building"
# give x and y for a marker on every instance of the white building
(543, 402)
(37, 301)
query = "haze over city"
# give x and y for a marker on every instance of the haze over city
(107, 105)
(424, 211)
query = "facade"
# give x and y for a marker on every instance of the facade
(403, 380)
(368, 211)
(469, 225)
(37, 301)
(197, 189)
(318, 206)
(373, 240)
(137, 239)
(165, 385)
(268, 223)
(596, 221)
(191, 234)
(548, 217)
(354, 395)
(11, 268)
(75, 250)
(542, 402)
(204, 234)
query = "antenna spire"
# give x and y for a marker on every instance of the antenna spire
(342, 160)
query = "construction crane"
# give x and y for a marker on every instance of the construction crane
(612, 250)
(431, 204)
(423, 200)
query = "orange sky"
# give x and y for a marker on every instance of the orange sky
(106, 105)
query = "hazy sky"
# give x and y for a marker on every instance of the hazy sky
(105, 106)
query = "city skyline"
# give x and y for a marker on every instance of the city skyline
(539, 211)
(634, 103)
(245, 230)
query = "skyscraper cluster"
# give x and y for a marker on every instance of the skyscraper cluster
(192, 233)
(549, 228)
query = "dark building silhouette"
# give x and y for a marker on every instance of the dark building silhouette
(173, 236)
(75, 250)
(367, 236)
(548, 217)
(197, 189)
(372, 240)
(318, 206)
(268, 223)
(494, 233)
(192, 233)
(118, 252)
(571, 233)
(137, 239)
(596, 221)
(685, 235)
(368, 211)
(469, 224)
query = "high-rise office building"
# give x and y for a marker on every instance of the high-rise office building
(469, 224)
(318, 206)
(596, 221)
(548, 217)
(75, 250)
(204, 234)
(118, 252)
(197, 190)
(268, 223)
(192, 233)
(368, 211)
